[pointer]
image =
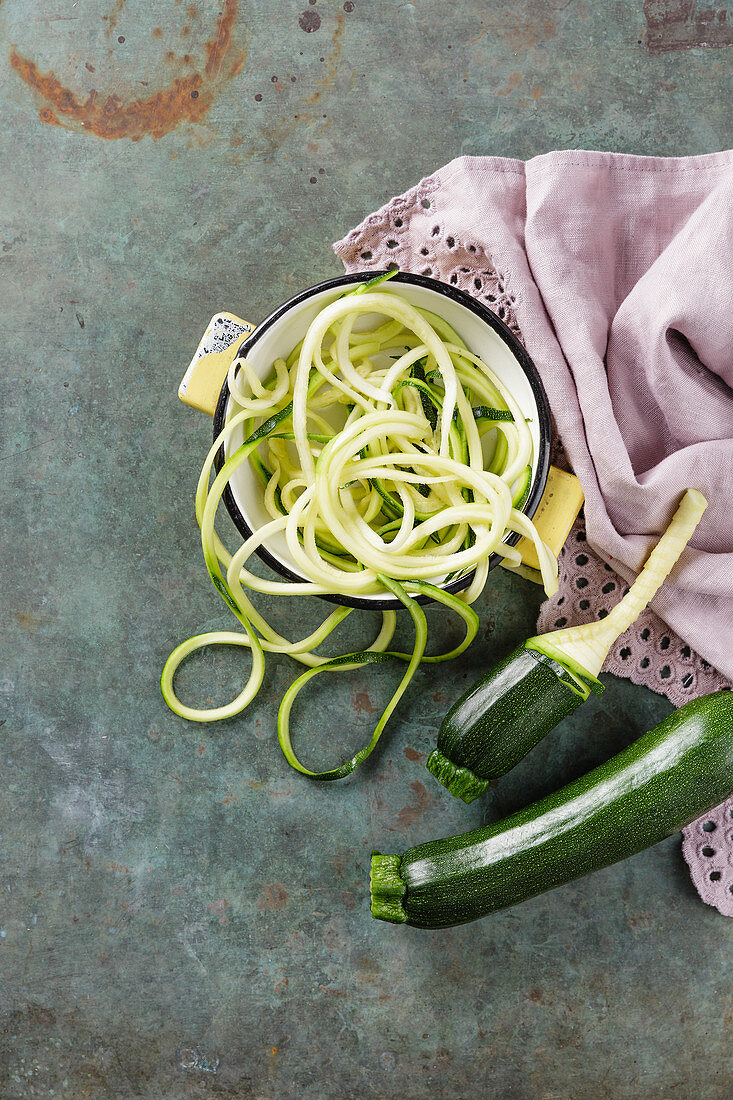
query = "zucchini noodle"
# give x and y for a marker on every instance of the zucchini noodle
(392, 460)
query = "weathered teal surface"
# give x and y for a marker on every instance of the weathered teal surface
(180, 914)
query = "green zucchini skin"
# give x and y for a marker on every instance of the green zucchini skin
(660, 783)
(497, 721)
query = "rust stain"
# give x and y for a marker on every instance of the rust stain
(339, 860)
(473, 41)
(216, 50)
(219, 909)
(187, 99)
(362, 704)
(157, 32)
(515, 79)
(28, 621)
(414, 755)
(348, 899)
(331, 992)
(523, 30)
(113, 16)
(678, 25)
(644, 922)
(119, 868)
(274, 896)
(412, 813)
(331, 65)
(237, 63)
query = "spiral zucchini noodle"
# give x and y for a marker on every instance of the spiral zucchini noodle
(389, 459)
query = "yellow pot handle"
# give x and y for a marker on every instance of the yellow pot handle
(202, 382)
(556, 513)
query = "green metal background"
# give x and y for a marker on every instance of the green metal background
(180, 914)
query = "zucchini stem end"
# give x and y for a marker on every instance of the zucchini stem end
(387, 889)
(460, 781)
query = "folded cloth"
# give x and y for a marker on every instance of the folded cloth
(616, 272)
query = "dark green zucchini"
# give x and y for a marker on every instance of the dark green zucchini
(670, 776)
(497, 721)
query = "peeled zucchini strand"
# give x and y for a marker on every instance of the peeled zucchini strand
(584, 648)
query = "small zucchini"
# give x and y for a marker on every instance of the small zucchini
(498, 720)
(670, 776)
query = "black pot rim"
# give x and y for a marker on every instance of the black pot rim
(502, 330)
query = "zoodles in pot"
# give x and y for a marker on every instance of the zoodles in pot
(392, 460)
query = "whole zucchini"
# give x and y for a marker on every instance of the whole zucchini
(669, 777)
(500, 718)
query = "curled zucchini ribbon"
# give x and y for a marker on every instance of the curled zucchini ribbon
(391, 459)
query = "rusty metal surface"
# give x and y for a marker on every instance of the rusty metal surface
(685, 25)
(181, 915)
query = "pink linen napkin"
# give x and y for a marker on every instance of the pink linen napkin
(616, 272)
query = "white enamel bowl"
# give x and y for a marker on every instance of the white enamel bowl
(483, 332)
